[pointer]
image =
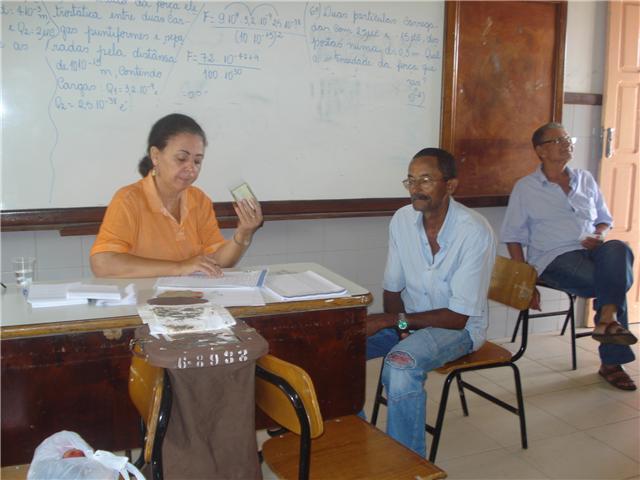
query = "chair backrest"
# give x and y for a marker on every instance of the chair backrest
(512, 283)
(273, 401)
(146, 384)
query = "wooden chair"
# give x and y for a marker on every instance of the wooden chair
(512, 284)
(150, 392)
(569, 320)
(345, 448)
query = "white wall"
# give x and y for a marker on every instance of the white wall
(355, 247)
(585, 47)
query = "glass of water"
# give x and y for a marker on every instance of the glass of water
(23, 266)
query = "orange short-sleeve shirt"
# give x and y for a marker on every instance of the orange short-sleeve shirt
(136, 222)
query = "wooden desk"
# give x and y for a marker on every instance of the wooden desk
(66, 368)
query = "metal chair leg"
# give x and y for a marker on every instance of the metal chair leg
(574, 361)
(378, 398)
(161, 429)
(523, 423)
(463, 399)
(143, 432)
(517, 327)
(567, 318)
(437, 429)
(570, 320)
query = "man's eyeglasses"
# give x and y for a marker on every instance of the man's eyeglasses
(564, 140)
(421, 182)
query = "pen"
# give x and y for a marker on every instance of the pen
(3, 285)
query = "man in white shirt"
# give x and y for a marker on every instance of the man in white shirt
(560, 215)
(439, 264)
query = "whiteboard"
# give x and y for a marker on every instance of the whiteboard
(301, 100)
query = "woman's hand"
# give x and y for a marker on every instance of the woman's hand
(202, 264)
(250, 218)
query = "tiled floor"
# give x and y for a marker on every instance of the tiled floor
(578, 426)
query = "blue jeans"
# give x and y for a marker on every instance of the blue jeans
(606, 273)
(405, 371)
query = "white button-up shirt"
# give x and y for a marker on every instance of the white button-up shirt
(541, 217)
(457, 277)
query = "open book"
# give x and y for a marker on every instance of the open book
(246, 279)
(306, 285)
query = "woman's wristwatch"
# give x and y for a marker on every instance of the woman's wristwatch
(403, 325)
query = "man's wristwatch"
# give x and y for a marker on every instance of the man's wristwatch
(403, 325)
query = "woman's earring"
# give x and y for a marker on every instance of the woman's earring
(153, 172)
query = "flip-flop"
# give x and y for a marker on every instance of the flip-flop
(615, 334)
(618, 378)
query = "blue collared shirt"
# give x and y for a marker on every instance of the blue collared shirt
(457, 277)
(541, 217)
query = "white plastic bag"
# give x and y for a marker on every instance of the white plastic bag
(49, 464)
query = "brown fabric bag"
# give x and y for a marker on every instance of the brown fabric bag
(211, 432)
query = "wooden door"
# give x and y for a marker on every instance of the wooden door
(620, 162)
(502, 78)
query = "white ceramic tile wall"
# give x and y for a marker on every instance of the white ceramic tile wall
(354, 247)
(584, 122)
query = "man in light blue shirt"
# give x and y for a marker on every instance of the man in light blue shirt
(439, 264)
(559, 214)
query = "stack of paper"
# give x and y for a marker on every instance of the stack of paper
(181, 319)
(246, 279)
(76, 293)
(306, 285)
(52, 295)
(129, 298)
(97, 292)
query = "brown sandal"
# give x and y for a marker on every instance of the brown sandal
(615, 334)
(618, 378)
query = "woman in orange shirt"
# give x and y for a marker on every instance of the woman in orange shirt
(162, 225)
